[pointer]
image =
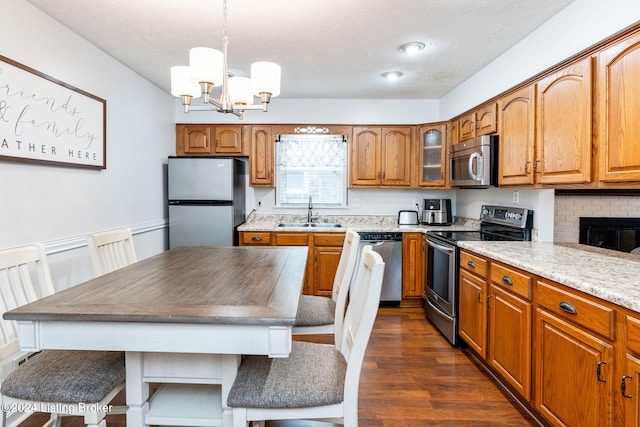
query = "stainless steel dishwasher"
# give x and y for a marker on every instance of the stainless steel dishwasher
(389, 246)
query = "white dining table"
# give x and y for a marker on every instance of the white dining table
(183, 318)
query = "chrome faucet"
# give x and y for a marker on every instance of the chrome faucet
(310, 210)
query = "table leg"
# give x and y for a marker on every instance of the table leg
(137, 390)
(230, 364)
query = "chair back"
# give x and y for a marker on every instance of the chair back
(18, 269)
(111, 250)
(358, 323)
(342, 279)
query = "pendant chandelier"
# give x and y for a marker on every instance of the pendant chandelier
(208, 69)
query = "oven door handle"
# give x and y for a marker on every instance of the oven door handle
(446, 249)
(476, 157)
(438, 310)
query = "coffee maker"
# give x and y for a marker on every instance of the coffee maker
(436, 212)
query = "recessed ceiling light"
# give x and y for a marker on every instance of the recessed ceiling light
(392, 75)
(412, 48)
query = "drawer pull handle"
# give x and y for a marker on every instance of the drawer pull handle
(256, 238)
(598, 369)
(507, 280)
(623, 387)
(471, 264)
(568, 308)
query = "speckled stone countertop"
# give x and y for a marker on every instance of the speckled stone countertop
(359, 223)
(610, 275)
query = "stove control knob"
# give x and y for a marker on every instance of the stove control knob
(518, 216)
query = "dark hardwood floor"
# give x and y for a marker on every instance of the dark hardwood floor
(411, 377)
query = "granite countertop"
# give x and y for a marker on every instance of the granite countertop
(610, 275)
(359, 223)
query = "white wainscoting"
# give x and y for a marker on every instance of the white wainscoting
(69, 257)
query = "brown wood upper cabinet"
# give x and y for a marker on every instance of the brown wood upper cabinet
(261, 164)
(481, 121)
(563, 131)
(381, 156)
(618, 97)
(517, 133)
(545, 129)
(432, 155)
(211, 140)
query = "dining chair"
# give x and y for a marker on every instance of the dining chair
(111, 250)
(317, 381)
(59, 382)
(324, 315)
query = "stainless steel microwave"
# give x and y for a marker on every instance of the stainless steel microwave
(474, 163)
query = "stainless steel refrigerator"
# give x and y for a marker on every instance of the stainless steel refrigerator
(206, 200)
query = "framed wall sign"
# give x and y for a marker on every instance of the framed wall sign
(43, 120)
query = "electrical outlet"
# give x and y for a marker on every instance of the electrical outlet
(516, 197)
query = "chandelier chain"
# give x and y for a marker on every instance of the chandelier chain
(225, 35)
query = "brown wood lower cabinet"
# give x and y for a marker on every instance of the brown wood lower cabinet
(473, 312)
(510, 338)
(495, 318)
(325, 250)
(574, 374)
(413, 265)
(569, 358)
(630, 391)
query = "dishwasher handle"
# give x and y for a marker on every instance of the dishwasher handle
(442, 248)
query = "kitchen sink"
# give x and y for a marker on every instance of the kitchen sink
(310, 224)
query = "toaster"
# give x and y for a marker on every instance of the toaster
(408, 218)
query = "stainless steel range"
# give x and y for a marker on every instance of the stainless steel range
(443, 261)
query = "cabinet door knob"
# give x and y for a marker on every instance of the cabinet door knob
(507, 280)
(623, 387)
(568, 308)
(471, 264)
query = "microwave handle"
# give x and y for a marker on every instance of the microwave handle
(476, 157)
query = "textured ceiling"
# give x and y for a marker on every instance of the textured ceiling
(327, 49)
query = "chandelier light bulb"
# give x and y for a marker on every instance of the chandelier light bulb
(181, 83)
(206, 66)
(240, 91)
(265, 78)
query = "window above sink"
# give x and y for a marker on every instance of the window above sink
(311, 166)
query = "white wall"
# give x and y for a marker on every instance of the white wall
(325, 111)
(361, 201)
(579, 26)
(60, 205)
(469, 203)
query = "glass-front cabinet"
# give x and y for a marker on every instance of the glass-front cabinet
(432, 164)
